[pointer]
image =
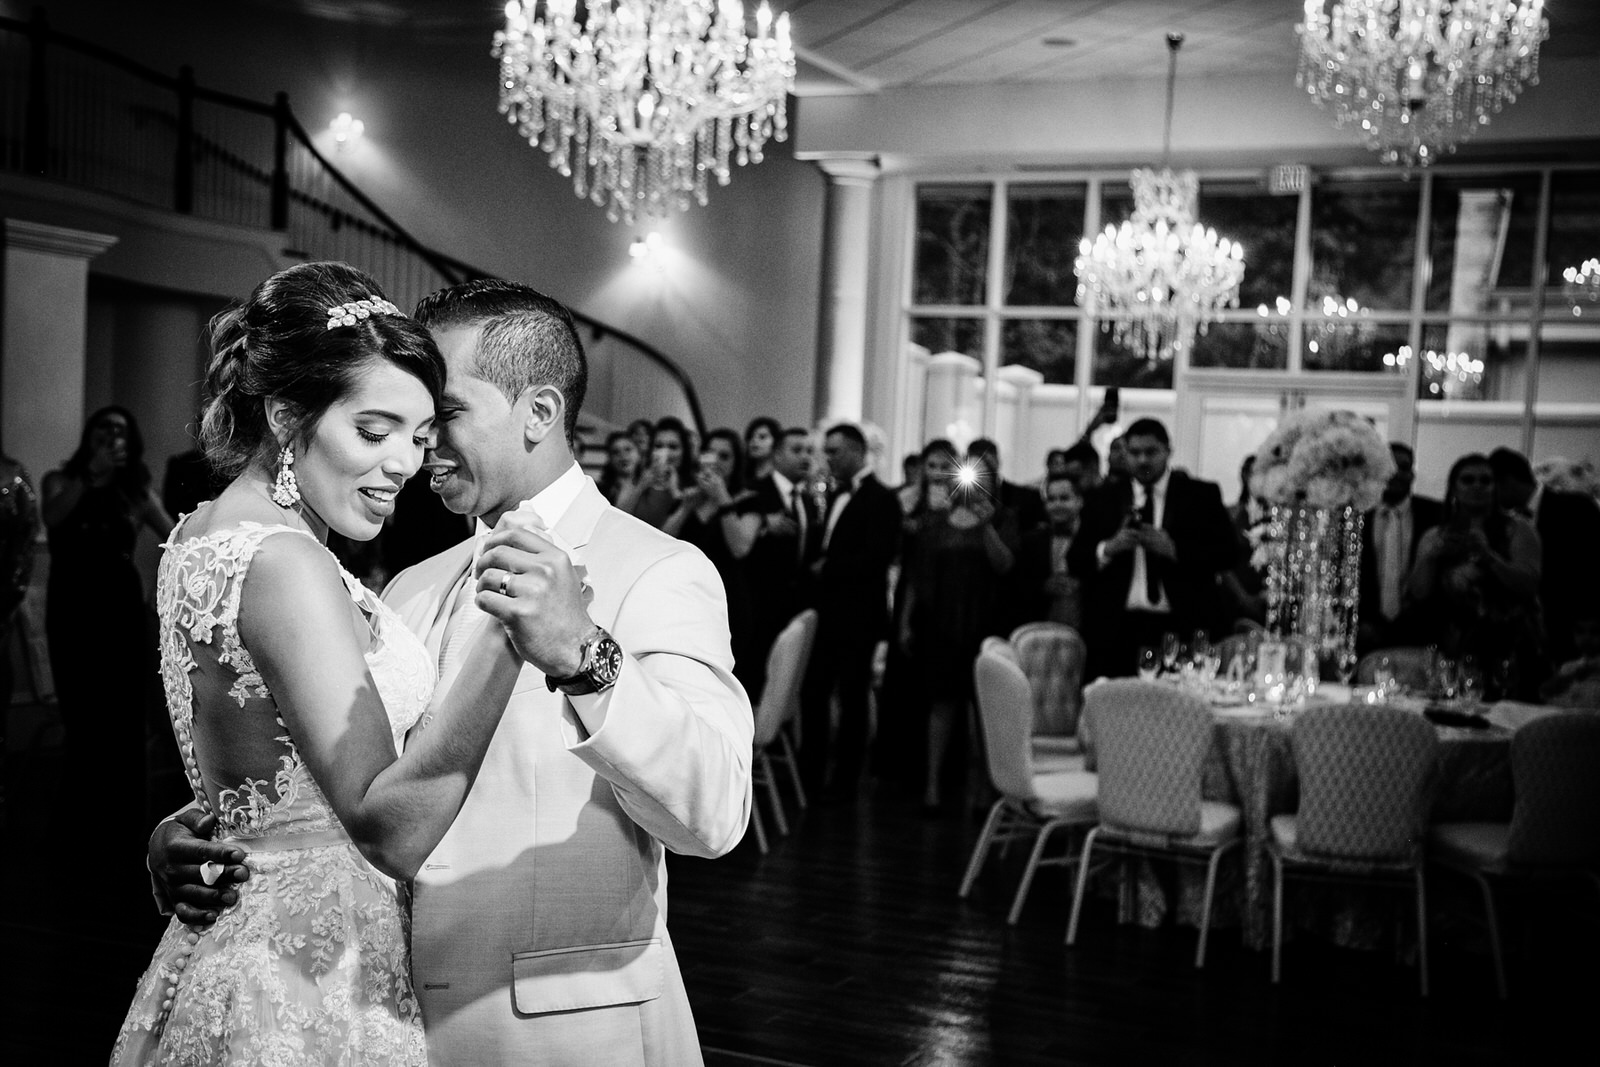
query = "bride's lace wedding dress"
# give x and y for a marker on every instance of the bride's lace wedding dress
(311, 966)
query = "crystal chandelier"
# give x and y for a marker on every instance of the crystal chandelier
(643, 101)
(1417, 77)
(1160, 275)
(1583, 284)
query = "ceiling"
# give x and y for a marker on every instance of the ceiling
(855, 46)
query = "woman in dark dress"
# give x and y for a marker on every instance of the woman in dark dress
(959, 543)
(1475, 585)
(718, 517)
(99, 627)
(670, 474)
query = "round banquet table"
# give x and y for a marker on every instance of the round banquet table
(1251, 764)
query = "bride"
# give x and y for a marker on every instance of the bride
(290, 693)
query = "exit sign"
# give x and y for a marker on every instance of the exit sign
(1287, 179)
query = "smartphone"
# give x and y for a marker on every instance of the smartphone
(1112, 402)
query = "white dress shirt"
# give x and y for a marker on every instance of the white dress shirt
(1138, 598)
(1391, 533)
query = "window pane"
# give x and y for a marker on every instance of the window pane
(952, 256)
(1243, 345)
(1350, 345)
(949, 335)
(1474, 361)
(1049, 346)
(1044, 224)
(1363, 241)
(1264, 227)
(1117, 365)
(1574, 231)
(1480, 236)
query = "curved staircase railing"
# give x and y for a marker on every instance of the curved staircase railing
(76, 112)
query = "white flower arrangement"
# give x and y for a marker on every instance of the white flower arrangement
(1318, 459)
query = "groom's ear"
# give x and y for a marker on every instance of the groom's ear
(547, 414)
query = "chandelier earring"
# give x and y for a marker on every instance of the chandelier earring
(285, 490)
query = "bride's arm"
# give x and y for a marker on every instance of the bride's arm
(295, 619)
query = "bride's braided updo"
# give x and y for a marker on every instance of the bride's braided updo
(283, 344)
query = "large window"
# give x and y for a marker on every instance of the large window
(1365, 271)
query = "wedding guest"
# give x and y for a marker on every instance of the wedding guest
(620, 479)
(94, 507)
(19, 525)
(1389, 540)
(1081, 463)
(1027, 509)
(861, 535)
(961, 543)
(718, 517)
(1568, 525)
(642, 430)
(1044, 554)
(1576, 682)
(910, 488)
(671, 472)
(778, 567)
(760, 438)
(1148, 553)
(1118, 466)
(1475, 584)
(1055, 465)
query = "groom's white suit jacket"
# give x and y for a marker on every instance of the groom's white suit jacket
(539, 931)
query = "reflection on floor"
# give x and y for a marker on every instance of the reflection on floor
(846, 946)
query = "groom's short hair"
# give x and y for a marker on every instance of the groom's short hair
(528, 339)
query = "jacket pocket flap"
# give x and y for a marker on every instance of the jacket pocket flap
(587, 976)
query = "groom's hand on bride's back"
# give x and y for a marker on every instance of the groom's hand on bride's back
(178, 849)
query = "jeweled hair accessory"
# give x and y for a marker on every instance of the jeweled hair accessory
(353, 312)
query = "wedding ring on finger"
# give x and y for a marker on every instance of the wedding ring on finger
(505, 584)
(210, 872)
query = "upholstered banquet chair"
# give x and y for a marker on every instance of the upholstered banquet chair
(1150, 743)
(1052, 655)
(1365, 772)
(1411, 666)
(1031, 803)
(1554, 830)
(780, 704)
(1051, 751)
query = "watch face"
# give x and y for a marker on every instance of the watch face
(607, 661)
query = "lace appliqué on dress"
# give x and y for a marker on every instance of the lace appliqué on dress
(311, 966)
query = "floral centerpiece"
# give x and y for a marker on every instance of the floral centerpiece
(1314, 479)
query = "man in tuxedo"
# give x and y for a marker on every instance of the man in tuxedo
(1148, 552)
(860, 537)
(778, 568)
(1389, 540)
(539, 929)
(1569, 538)
(1053, 591)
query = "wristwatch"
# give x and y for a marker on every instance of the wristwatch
(598, 669)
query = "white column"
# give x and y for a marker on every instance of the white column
(42, 344)
(953, 407)
(1021, 450)
(842, 331)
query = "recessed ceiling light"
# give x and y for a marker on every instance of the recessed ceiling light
(1059, 42)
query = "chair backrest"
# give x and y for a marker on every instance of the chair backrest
(1150, 744)
(1555, 772)
(1005, 708)
(1000, 646)
(1052, 656)
(1410, 665)
(786, 667)
(1366, 772)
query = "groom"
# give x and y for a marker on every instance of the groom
(539, 923)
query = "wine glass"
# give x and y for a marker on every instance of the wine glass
(1148, 666)
(1383, 675)
(1171, 648)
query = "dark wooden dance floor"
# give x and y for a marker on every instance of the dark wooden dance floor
(846, 945)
